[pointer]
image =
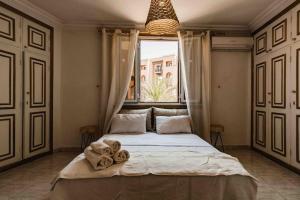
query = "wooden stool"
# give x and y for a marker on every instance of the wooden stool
(88, 135)
(216, 131)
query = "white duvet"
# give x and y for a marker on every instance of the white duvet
(150, 153)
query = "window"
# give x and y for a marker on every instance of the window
(157, 75)
(169, 63)
(143, 67)
(169, 75)
(143, 78)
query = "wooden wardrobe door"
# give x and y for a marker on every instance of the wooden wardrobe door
(295, 129)
(260, 103)
(37, 97)
(10, 105)
(36, 89)
(279, 116)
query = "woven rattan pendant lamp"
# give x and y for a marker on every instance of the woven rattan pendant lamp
(161, 18)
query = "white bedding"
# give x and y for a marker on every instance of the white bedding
(161, 167)
(154, 139)
(178, 155)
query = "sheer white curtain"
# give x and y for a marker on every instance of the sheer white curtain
(195, 59)
(118, 53)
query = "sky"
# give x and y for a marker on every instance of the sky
(153, 49)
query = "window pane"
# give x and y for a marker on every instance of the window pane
(159, 71)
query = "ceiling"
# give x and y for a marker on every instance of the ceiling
(189, 12)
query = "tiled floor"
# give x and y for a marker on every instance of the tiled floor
(32, 180)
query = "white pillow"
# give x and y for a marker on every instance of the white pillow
(173, 124)
(128, 123)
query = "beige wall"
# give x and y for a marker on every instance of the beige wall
(231, 95)
(76, 74)
(80, 75)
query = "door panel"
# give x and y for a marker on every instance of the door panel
(10, 28)
(261, 43)
(279, 33)
(296, 23)
(36, 38)
(37, 77)
(278, 81)
(10, 105)
(7, 142)
(260, 74)
(278, 133)
(36, 112)
(260, 128)
(7, 79)
(296, 148)
(37, 131)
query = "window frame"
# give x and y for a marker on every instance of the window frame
(180, 89)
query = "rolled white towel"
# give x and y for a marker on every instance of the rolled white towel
(99, 162)
(114, 144)
(121, 156)
(102, 148)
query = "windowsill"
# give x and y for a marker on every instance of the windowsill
(132, 105)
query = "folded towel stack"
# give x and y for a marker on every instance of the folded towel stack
(98, 161)
(102, 148)
(102, 155)
(114, 145)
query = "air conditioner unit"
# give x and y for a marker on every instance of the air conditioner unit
(232, 43)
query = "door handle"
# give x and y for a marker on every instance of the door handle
(28, 93)
(294, 91)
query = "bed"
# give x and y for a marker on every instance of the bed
(161, 167)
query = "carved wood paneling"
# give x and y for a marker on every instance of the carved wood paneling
(281, 28)
(260, 76)
(261, 43)
(281, 62)
(34, 123)
(276, 117)
(297, 78)
(8, 79)
(7, 29)
(36, 38)
(260, 119)
(7, 127)
(37, 91)
(298, 138)
(298, 22)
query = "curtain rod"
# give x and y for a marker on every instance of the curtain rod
(143, 32)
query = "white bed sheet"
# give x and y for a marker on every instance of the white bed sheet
(176, 156)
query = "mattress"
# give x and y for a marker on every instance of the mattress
(173, 166)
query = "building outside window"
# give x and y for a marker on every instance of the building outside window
(157, 72)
